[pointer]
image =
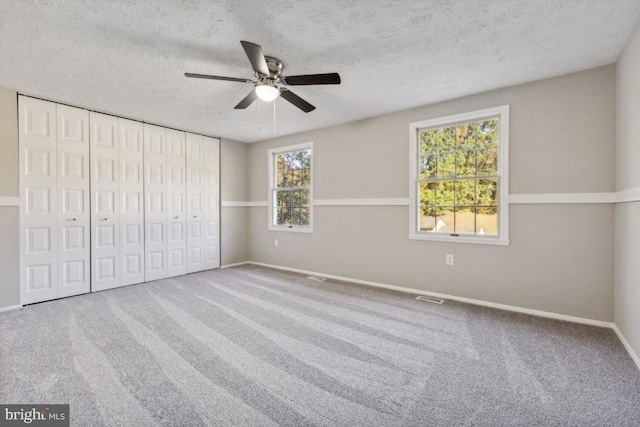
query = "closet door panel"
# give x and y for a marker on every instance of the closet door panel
(74, 255)
(155, 160)
(39, 272)
(131, 201)
(176, 193)
(211, 210)
(105, 202)
(195, 200)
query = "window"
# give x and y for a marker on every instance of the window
(291, 192)
(459, 178)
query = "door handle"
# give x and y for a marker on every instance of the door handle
(72, 219)
(175, 217)
(103, 219)
(195, 216)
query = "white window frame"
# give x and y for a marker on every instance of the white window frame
(272, 183)
(502, 112)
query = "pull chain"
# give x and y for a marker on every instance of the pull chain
(274, 117)
(259, 115)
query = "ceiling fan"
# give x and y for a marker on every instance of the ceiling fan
(270, 83)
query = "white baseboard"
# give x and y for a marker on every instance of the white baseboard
(626, 345)
(505, 307)
(9, 308)
(235, 265)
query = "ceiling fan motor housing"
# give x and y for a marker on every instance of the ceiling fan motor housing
(275, 66)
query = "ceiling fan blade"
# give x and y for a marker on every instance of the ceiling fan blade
(248, 100)
(207, 76)
(297, 101)
(313, 79)
(256, 57)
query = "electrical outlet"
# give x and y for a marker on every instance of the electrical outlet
(275, 242)
(449, 259)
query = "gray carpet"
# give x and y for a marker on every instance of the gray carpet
(254, 346)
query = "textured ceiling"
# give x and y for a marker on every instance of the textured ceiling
(128, 57)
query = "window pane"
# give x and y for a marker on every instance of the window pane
(427, 217)
(487, 192)
(445, 193)
(444, 220)
(427, 165)
(280, 207)
(446, 139)
(465, 219)
(306, 159)
(283, 216)
(293, 169)
(300, 198)
(303, 214)
(487, 134)
(305, 164)
(295, 216)
(427, 140)
(282, 172)
(465, 192)
(427, 214)
(446, 164)
(465, 163)
(466, 136)
(427, 194)
(488, 162)
(287, 161)
(283, 198)
(487, 221)
(295, 177)
(305, 177)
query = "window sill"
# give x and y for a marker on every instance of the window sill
(450, 239)
(291, 230)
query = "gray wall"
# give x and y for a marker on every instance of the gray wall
(627, 215)
(234, 241)
(561, 256)
(9, 187)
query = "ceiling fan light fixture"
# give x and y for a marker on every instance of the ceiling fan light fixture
(267, 92)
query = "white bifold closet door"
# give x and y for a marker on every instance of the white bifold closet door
(155, 163)
(38, 201)
(176, 209)
(117, 213)
(54, 187)
(74, 212)
(202, 203)
(105, 202)
(211, 209)
(195, 195)
(131, 202)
